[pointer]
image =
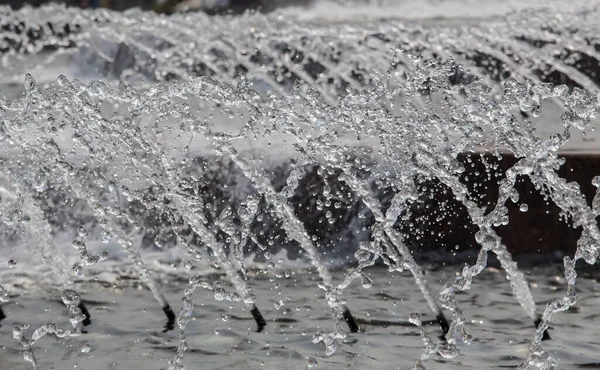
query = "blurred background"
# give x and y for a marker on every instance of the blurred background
(170, 6)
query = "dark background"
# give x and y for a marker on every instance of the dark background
(166, 6)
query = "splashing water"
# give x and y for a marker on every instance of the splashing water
(267, 136)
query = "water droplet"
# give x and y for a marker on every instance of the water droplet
(70, 297)
(78, 244)
(366, 282)
(311, 362)
(415, 319)
(29, 82)
(12, 263)
(3, 295)
(362, 255)
(62, 80)
(86, 348)
(82, 232)
(77, 269)
(524, 207)
(448, 351)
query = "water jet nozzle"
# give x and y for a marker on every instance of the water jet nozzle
(258, 317)
(441, 319)
(350, 320)
(170, 317)
(2, 315)
(88, 318)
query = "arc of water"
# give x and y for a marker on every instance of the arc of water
(254, 70)
(388, 220)
(52, 156)
(517, 280)
(540, 176)
(588, 248)
(383, 223)
(492, 240)
(535, 57)
(41, 234)
(487, 237)
(132, 135)
(197, 221)
(542, 172)
(396, 240)
(292, 225)
(297, 71)
(113, 228)
(334, 71)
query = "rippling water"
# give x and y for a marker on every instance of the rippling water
(126, 329)
(263, 169)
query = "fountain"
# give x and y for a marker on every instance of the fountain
(268, 151)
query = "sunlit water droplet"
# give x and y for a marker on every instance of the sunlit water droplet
(86, 348)
(311, 362)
